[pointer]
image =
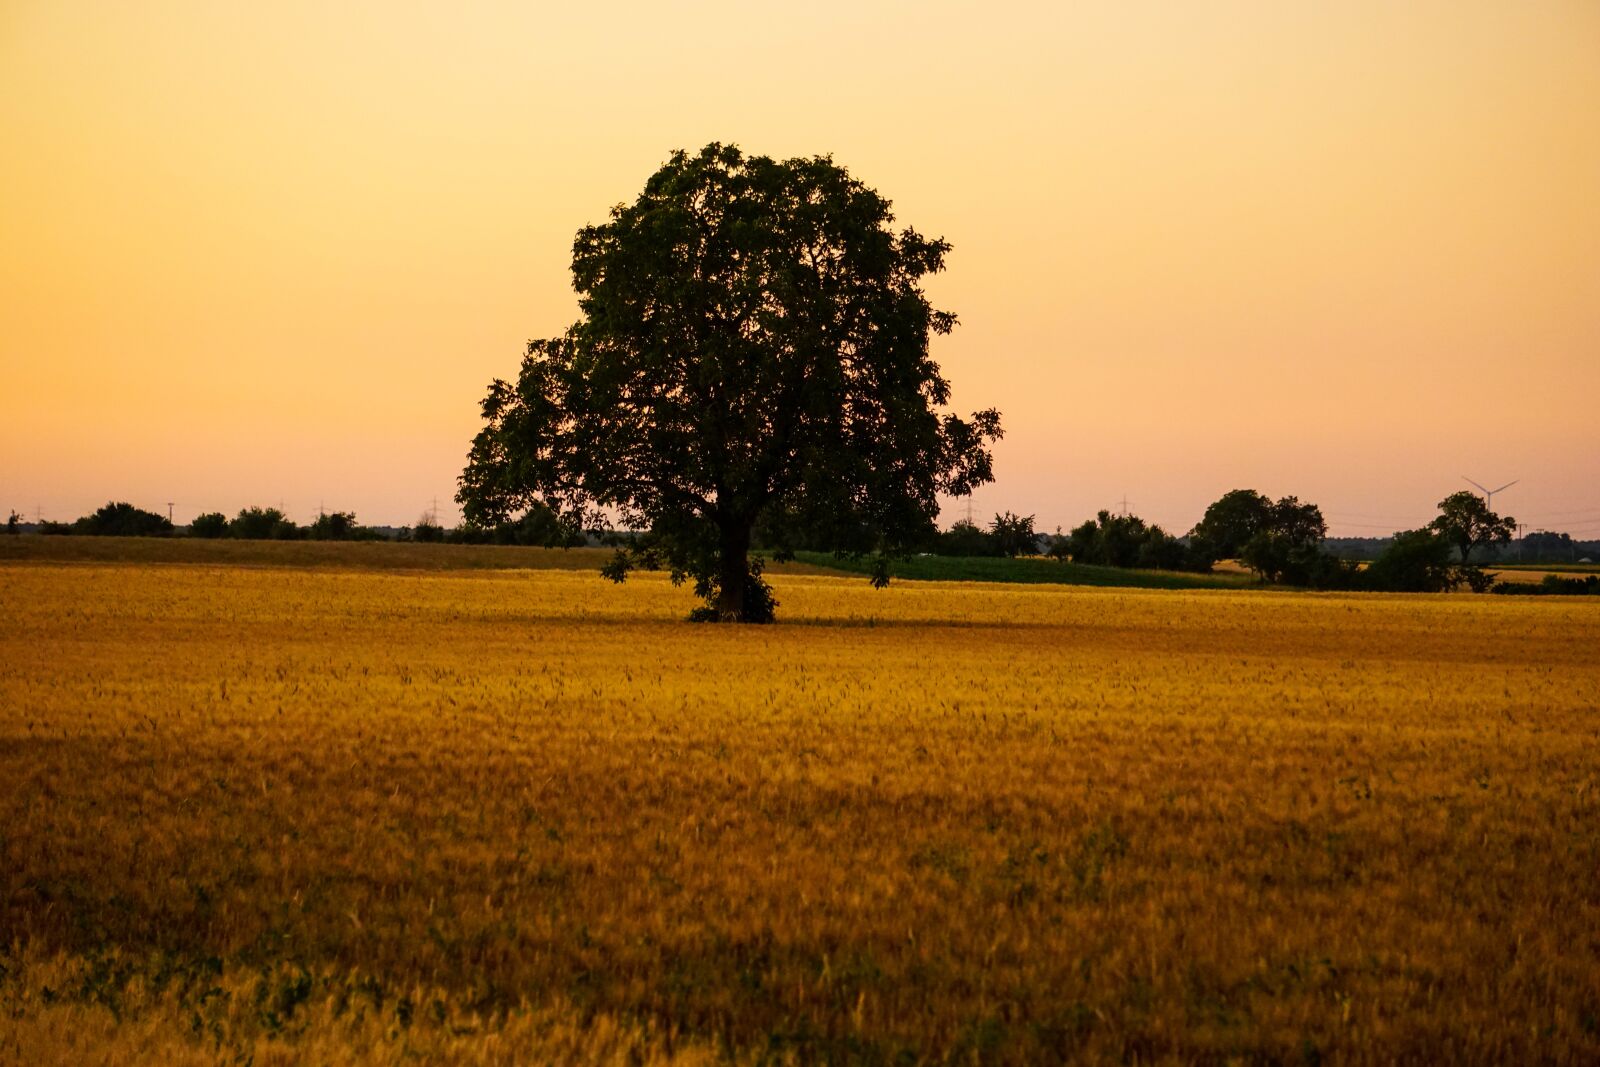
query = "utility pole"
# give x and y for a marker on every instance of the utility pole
(1124, 505)
(169, 511)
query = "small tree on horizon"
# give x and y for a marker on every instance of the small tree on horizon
(210, 525)
(121, 519)
(1014, 535)
(427, 529)
(334, 526)
(262, 524)
(1466, 522)
(1231, 521)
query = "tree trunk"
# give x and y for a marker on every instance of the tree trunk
(733, 569)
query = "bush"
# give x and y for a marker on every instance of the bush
(1416, 561)
(759, 604)
(1278, 530)
(1163, 552)
(1553, 585)
(427, 531)
(262, 524)
(539, 527)
(123, 520)
(965, 538)
(1109, 540)
(1013, 535)
(211, 524)
(335, 526)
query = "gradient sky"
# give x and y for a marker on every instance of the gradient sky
(263, 253)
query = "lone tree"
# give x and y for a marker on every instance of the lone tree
(754, 339)
(1466, 522)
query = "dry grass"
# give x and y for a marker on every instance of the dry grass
(529, 816)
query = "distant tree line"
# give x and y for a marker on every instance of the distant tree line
(120, 519)
(114, 520)
(539, 526)
(1284, 541)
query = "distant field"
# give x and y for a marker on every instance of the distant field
(1514, 571)
(345, 555)
(328, 815)
(1031, 571)
(389, 555)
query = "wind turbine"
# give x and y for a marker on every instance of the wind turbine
(1488, 494)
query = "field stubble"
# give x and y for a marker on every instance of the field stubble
(514, 816)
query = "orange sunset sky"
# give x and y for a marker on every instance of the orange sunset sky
(258, 253)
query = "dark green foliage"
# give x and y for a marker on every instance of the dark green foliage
(759, 604)
(1553, 585)
(754, 340)
(1280, 541)
(1416, 561)
(1109, 540)
(1014, 535)
(1060, 547)
(334, 526)
(966, 538)
(1286, 546)
(1278, 558)
(1163, 552)
(427, 531)
(1032, 571)
(538, 527)
(1301, 523)
(1466, 522)
(1229, 523)
(262, 524)
(210, 525)
(123, 520)
(1543, 546)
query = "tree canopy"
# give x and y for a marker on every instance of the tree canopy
(1109, 540)
(121, 519)
(1231, 521)
(1466, 522)
(1014, 535)
(753, 337)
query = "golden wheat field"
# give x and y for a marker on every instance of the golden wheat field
(289, 815)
